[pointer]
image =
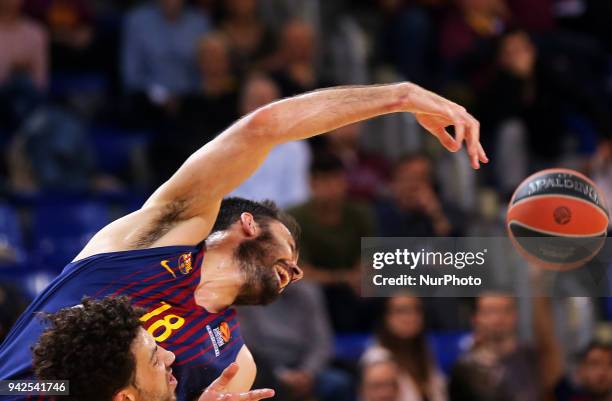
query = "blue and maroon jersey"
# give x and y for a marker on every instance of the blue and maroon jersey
(160, 280)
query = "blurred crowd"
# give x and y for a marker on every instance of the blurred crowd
(101, 101)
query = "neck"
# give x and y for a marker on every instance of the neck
(220, 276)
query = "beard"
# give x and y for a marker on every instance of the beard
(156, 396)
(261, 285)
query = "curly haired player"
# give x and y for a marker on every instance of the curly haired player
(101, 348)
(187, 256)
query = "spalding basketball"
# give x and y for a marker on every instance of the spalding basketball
(557, 219)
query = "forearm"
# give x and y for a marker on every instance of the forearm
(550, 357)
(244, 146)
(322, 111)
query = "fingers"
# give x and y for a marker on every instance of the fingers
(256, 395)
(459, 131)
(436, 126)
(470, 127)
(226, 376)
(446, 140)
(482, 155)
(473, 143)
(467, 129)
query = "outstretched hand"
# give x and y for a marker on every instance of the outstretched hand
(435, 113)
(217, 391)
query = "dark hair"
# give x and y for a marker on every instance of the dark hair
(594, 344)
(263, 212)
(325, 162)
(411, 355)
(90, 345)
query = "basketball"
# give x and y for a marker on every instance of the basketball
(557, 219)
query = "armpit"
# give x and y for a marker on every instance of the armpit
(170, 215)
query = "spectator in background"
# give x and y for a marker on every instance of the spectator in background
(53, 152)
(365, 173)
(332, 227)
(467, 37)
(23, 64)
(407, 37)
(24, 46)
(251, 42)
(296, 64)
(499, 367)
(213, 106)
(159, 54)
(200, 115)
(293, 352)
(593, 377)
(469, 23)
(601, 171)
(283, 177)
(413, 208)
(379, 382)
(71, 30)
(401, 338)
(525, 105)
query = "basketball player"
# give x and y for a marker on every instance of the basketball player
(127, 366)
(186, 256)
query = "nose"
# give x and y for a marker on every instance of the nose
(296, 272)
(170, 357)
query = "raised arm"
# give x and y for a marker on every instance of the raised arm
(224, 163)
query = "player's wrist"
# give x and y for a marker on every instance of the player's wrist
(406, 95)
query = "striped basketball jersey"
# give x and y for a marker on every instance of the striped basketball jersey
(160, 280)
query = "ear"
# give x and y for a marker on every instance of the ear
(124, 395)
(247, 222)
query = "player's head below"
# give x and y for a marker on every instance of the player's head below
(594, 371)
(102, 349)
(495, 317)
(265, 247)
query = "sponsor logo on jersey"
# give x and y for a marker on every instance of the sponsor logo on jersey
(219, 336)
